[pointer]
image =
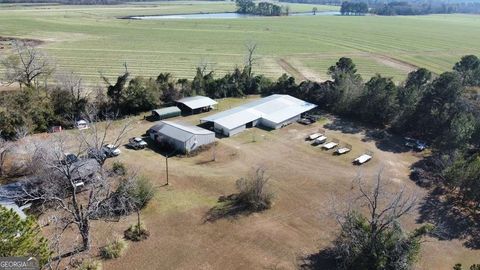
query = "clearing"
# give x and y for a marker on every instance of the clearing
(305, 180)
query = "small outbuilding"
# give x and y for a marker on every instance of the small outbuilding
(165, 113)
(182, 137)
(196, 104)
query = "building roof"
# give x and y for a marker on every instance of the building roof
(11, 205)
(274, 108)
(197, 102)
(7, 193)
(167, 110)
(84, 169)
(156, 127)
(180, 132)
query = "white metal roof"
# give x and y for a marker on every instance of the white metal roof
(11, 190)
(197, 102)
(13, 206)
(274, 108)
(181, 132)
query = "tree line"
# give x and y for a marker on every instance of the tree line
(407, 7)
(71, 2)
(262, 8)
(50, 97)
(443, 110)
(412, 8)
(351, 8)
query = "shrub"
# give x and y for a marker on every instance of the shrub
(142, 191)
(90, 264)
(136, 233)
(119, 168)
(115, 249)
(254, 194)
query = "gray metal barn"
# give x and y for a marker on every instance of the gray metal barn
(184, 138)
(274, 112)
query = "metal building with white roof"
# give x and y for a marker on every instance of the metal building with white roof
(196, 104)
(273, 112)
(184, 138)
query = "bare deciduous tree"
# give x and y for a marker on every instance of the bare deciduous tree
(92, 140)
(250, 59)
(58, 182)
(27, 65)
(76, 189)
(377, 240)
(72, 83)
(385, 207)
(5, 149)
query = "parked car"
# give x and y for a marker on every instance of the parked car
(305, 121)
(313, 118)
(82, 124)
(69, 159)
(136, 143)
(111, 150)
(96, 154)
(416, 145)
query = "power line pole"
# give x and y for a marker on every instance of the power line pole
(166, 167)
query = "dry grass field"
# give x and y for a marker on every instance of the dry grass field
(305, 179)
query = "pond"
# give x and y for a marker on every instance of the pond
(223, 15)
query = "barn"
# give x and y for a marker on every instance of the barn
(164, 113)
(182, 137)
(195, 104)
(274, 112)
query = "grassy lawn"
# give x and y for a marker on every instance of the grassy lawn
(305, 179)
(90, 40)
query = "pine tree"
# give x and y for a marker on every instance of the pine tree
(21, 237)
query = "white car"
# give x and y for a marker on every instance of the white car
(111, 150)
(136, 143)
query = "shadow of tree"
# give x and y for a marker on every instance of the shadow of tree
(229, 207)
(323, 260)
(383, 139)
(162, 149)
(450, 218)
(344, 126)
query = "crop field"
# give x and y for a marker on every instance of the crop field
(91, 40)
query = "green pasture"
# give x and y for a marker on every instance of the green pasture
(91, 40)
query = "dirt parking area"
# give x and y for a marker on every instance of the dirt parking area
(305, 180)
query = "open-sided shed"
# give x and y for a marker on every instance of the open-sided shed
(196, 104)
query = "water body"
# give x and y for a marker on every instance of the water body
(223, 15)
